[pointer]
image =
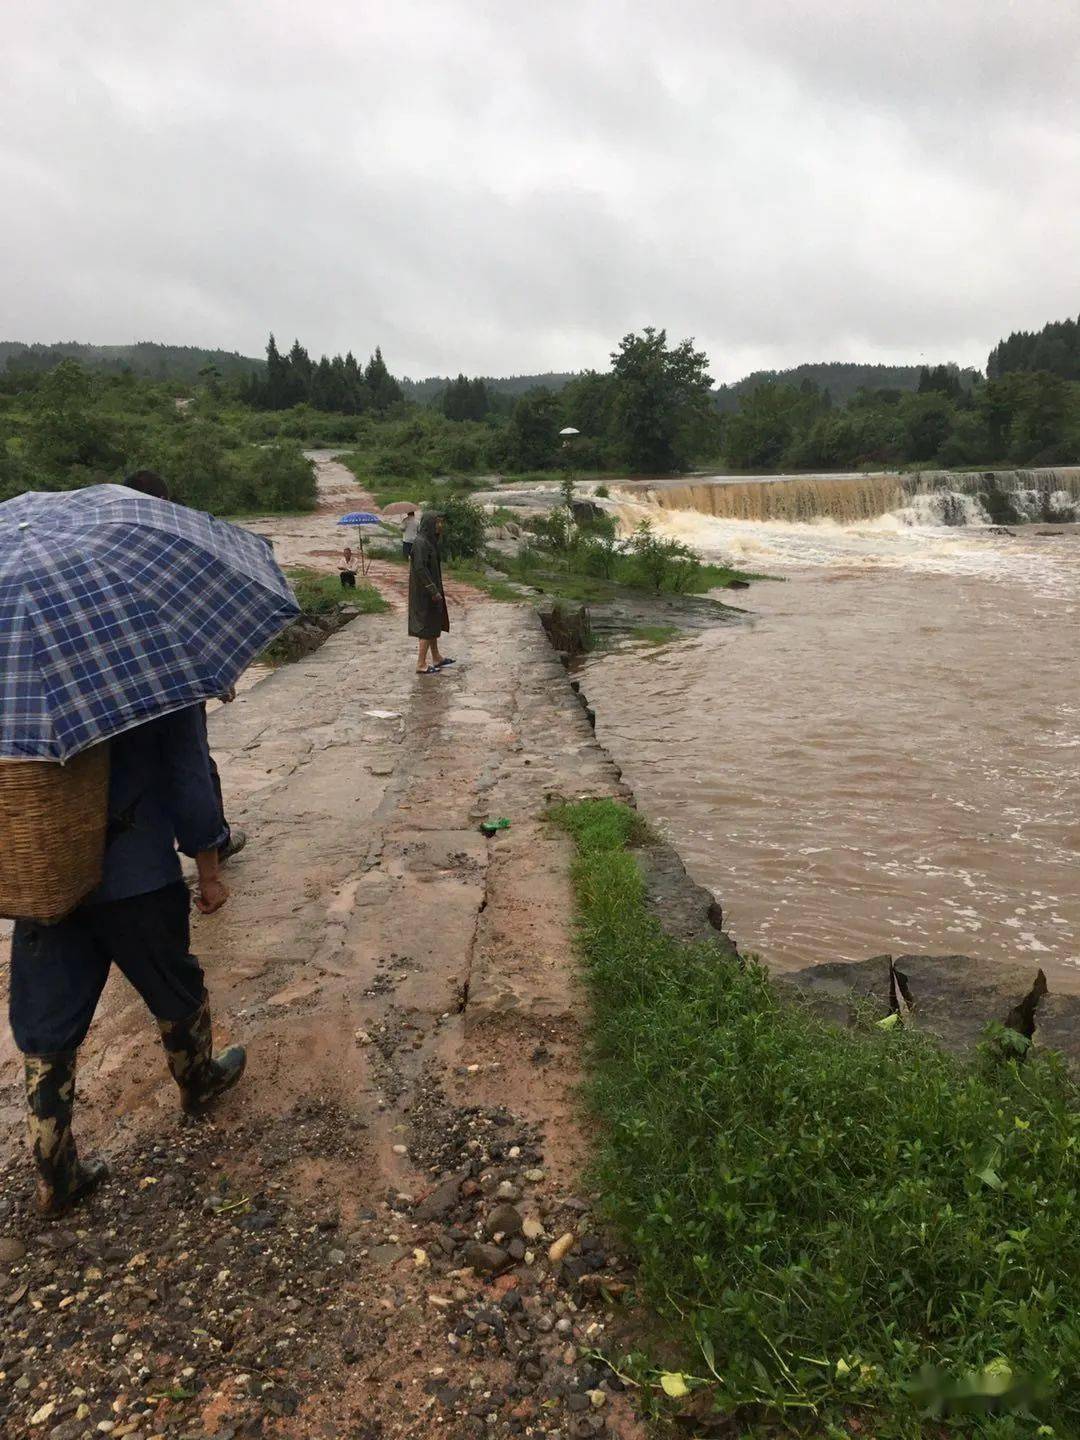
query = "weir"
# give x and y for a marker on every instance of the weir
(956, 498)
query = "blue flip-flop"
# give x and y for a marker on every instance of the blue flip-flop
(443, 663)
(431, 670)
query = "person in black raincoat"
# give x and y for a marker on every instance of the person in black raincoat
(428, 617)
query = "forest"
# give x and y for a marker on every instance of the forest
(147, 359)
(229, 432)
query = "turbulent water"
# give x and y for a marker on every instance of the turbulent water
(932, 496)
(887, 757)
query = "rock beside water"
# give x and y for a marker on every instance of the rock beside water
(954, 997)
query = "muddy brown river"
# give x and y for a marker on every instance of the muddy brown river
(886, 757)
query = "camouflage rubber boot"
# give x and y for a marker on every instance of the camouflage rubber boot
(201, 1075)
(50, 1097)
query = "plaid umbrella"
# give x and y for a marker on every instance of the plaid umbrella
(116, 607)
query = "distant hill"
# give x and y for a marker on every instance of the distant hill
(424, 391)
(1055, 348)
(146, 358)
(841, 378)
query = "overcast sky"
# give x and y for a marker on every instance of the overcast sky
(509, 187)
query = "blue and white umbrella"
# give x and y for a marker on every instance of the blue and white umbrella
(116, 608)
(360, 518)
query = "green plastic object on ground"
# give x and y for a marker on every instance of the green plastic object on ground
(491, 827)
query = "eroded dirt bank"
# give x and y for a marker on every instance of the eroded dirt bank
(359, 1243)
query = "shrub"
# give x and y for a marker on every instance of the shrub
(404, 463)
(465, 528)
(661, 563)
(281, 478)
(556, 529)
(600, 556)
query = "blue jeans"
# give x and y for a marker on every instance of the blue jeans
(59, 971)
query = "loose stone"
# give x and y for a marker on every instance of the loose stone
(561, 1248)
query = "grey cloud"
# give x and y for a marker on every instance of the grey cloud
(497, 188)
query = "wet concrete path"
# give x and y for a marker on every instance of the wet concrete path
(367, 889)
(406, 989)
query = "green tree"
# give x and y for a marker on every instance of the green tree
(277, 396)
(328, 385)
(1037, 429)
(532, 437)
(928, 419)
(65, 430)
(587, 401)
(831, 443)
(465, 399)
(15, 477)
(968, 443)
(464, 529)
(942, 380)
(383, 390)
(759, 434)
(662, 407)
(300, 371)
(357, 399)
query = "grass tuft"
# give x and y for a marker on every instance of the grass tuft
(319, 594)
(832, 1223)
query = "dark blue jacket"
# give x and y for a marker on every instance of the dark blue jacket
(160, 796)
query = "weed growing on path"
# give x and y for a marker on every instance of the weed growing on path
(834, 1224)
(324, 594)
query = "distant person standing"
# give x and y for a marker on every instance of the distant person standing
(428, 617)
(408, 534)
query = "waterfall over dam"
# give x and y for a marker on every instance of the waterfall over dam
(928, 497)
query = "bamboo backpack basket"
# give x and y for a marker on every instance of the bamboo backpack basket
(53, 820)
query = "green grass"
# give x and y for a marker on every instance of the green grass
(830, 1223)
(496, 587)
(319, 594)
(546, 575)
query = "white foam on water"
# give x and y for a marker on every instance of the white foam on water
(905, 539)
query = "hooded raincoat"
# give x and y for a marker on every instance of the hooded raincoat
(427, 606)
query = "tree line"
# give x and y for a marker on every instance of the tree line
(1022, 419)
(842, 380)
(339, 384)
(147, 359)
(652, 412)
(1055, 350)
